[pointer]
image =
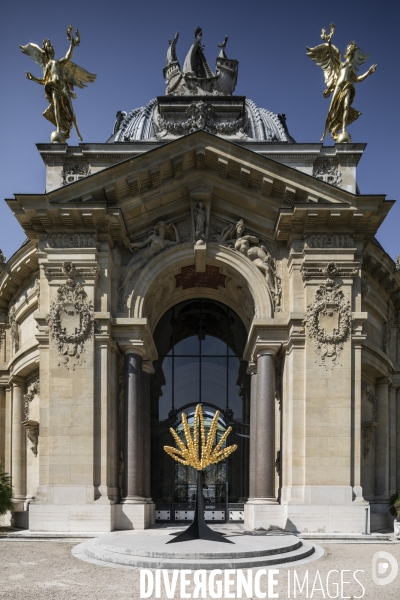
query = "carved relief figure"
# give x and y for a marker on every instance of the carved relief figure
(250, 246)
(340, 78)
(199, 222)
(59, 79)
(153, 245)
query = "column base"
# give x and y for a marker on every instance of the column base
(271, 501)
(134, 515)
(133, 500)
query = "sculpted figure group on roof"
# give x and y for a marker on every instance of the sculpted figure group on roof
(197, 79)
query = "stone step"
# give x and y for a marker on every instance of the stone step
(213, 561)
(282, 545)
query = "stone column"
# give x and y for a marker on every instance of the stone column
(147, 371)
(253, 430)
(2, 424)
(133, 453)
(382, 440)
(398, 438)
(18, 444)
(265, 451)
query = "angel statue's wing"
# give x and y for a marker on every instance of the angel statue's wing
(76, 75)
(36, 53)
(327, 56)
(358, 59)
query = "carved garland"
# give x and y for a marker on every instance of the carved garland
(328, 299)
(71, 345)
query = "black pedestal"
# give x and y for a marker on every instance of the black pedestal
(198, 530)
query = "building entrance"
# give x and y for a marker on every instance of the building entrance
(200, 346)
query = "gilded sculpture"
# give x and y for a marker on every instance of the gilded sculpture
(199, 453)
(340, 79)
(59, 78)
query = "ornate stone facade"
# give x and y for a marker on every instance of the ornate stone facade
(157, 261)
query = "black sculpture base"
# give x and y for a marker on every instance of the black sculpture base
(198, 530)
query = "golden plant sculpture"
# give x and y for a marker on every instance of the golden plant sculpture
(191, 454)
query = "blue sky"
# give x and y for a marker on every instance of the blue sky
(125, 44)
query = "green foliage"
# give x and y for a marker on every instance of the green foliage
(6, 503)
(394, 505)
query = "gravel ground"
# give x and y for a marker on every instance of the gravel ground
(32, 570)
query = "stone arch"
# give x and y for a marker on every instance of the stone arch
(245, 291)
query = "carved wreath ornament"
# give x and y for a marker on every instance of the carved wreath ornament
(328, 321)
(71, 320)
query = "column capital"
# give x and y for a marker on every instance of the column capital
(384, 381)
(132, 349)
(252, 368)
(269, 349)
(16, 381)
(147, 367)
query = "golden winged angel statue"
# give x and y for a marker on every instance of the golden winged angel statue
(340, 78)
(59, 79)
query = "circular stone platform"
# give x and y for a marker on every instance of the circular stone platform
(149, 549)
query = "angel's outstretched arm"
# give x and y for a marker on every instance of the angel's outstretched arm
(359, 78)
(33, 78)
(68, 56)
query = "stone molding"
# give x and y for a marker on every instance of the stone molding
(69, 270)
(329, 241)
(160, 273)
(331, 270)
(71, 240)
(329, 299)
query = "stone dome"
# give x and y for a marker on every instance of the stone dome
(262, 125)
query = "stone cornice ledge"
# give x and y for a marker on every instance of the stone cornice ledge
(386, 364)
(270, 333)
(134, 335)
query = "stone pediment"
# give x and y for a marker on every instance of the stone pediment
(127, 199)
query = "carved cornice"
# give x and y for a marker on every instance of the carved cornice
(331, 270)
(329, 241)
(73, 240)
(69, 270)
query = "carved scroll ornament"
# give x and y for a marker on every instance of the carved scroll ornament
(71, 321)
(32, 433)
(328, 321)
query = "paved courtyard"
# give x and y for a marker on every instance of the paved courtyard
(33, 570)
